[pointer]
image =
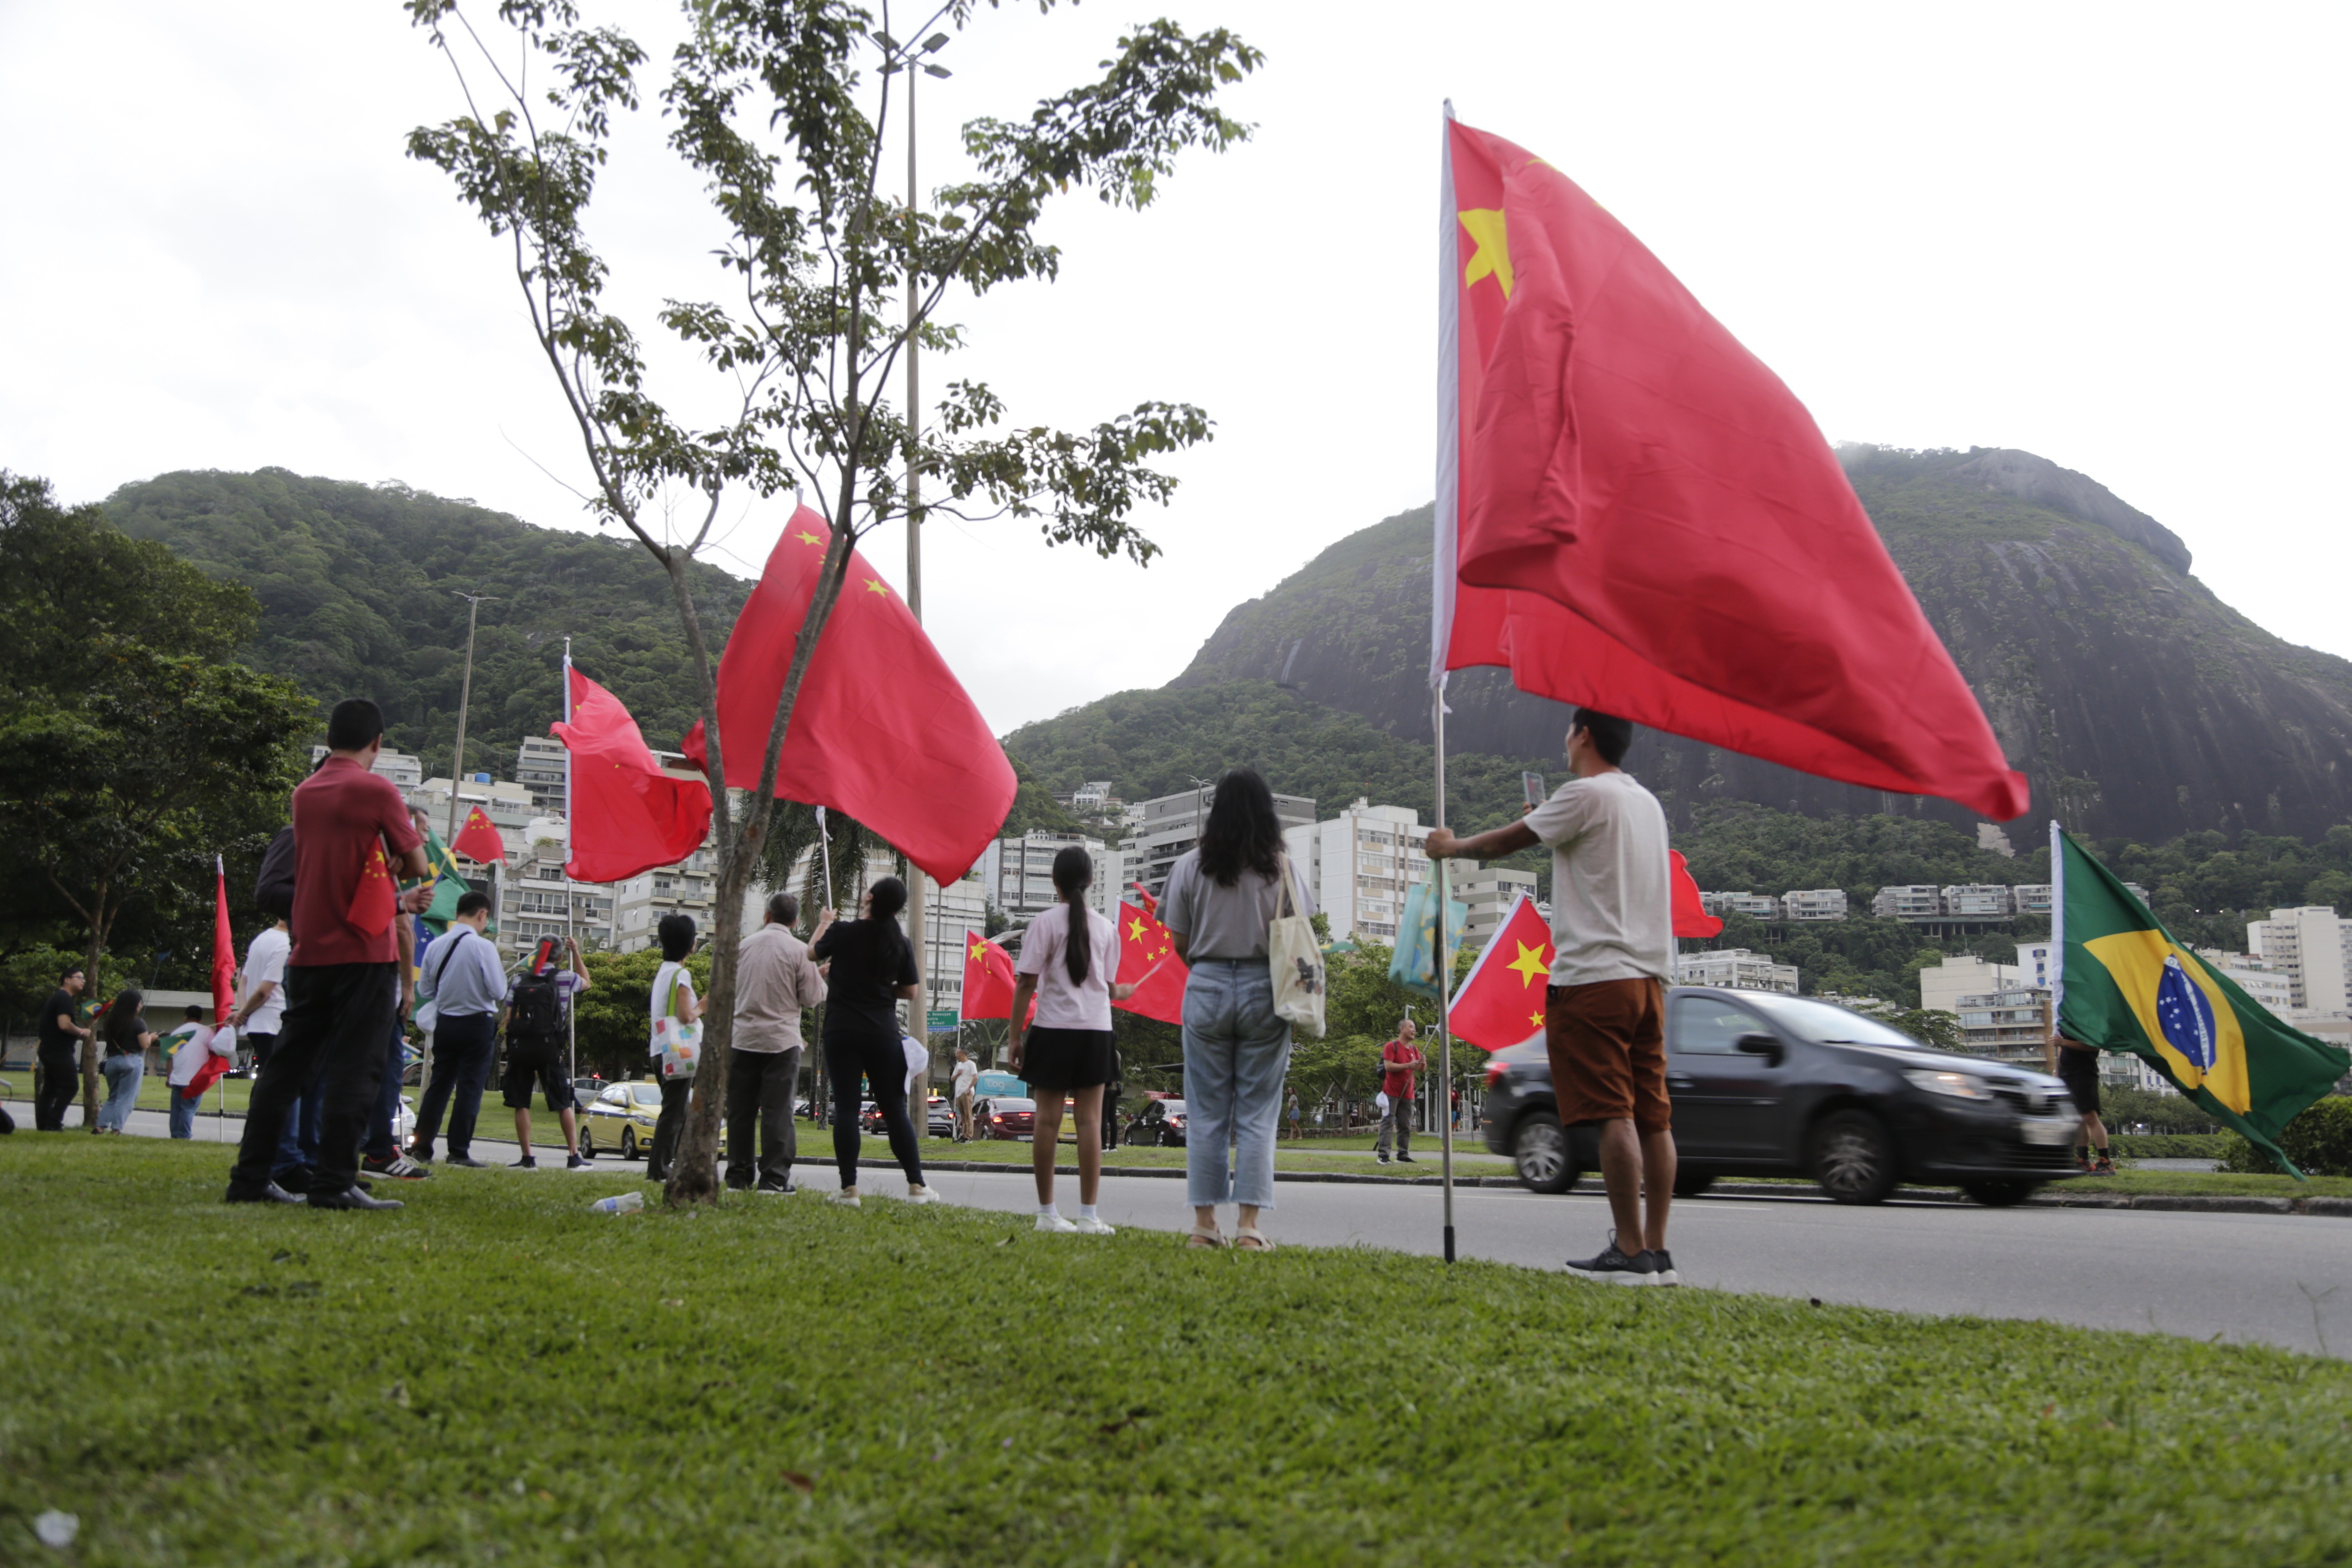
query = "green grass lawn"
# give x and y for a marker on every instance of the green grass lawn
(1286, 1157)
(496, 1375)
(2209, 1182)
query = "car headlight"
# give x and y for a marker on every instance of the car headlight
(1959, 1085)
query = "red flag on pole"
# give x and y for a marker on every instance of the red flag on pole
(1690, 915)
(1633, 512)
(1501, 1001)
(988, 980)
(882, 729)
(478, 839)
(627, 815)
(208, 1071)
(1148, 961)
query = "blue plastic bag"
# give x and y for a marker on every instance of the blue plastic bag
(1414, 965)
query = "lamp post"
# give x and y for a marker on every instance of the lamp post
(473, 603)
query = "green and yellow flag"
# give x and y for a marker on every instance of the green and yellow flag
(449, 884)
(2126, 985)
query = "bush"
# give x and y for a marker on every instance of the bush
(2319, 1142)
(2171, 1145)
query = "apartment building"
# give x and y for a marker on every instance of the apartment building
(1813, 904)
(1169, 825)
(1941, 988)
(1916, 902)
(540, 769)
(2273, 988)
(1977, 901)
(404, 770)
(2012, 1023)
(2030, 898)
(1756, 906)
(508, 805)
(1489, 891)
(2308, 945)
(1016, 875)
(1359, 865)
(1738, 968)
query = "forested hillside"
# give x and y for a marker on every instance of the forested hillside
(358, 586)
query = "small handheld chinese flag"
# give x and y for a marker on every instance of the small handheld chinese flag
(375, 900)
(988, 980)
(478, 839)
(215, 1062)
(1148, 961)
(1501, 1002)
(1690, 915)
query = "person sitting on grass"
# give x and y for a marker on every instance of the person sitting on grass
(1064, 1052)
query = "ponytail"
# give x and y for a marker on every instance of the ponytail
(1074, 873)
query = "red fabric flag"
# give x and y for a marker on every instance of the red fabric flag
(1633, 512)
(376, 899)
(1690, 916)
(1148, 961)
(627, 815)
(988, 980)
(478, 839)
(1501, 1001)
(882, 729)
(210, 1070)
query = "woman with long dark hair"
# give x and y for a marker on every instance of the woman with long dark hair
(127, 1036)
(1221, 899)
(673, 997)
(870, 968)
(1068, 960)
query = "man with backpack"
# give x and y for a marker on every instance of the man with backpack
(537, 1042)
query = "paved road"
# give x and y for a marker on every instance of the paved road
(2282, 1279)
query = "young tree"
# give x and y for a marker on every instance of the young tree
(779, 111)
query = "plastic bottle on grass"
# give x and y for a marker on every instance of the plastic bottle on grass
(626, 1203)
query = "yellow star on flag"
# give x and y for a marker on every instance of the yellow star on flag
(1530, 964)
(808, 538)
(875, 585)
(1493, 256)
(1135, 928)
(1535, 1020)
(979, 948)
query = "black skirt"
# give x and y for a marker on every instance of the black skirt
(1066, 1059)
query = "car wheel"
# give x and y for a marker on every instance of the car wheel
(1854, 1158)
(1539, 1150)
(1165, 1141)
(1999, 1194)
(587, 1144)
(629, 1142)
(1690, 1185)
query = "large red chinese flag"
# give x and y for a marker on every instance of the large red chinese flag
(1501, 1001)
(1148, 961)
(224, 978)
(478, 839)
(988, 980)
(882, 729)
(1635, 513)
(1690, 916)
(627, 815)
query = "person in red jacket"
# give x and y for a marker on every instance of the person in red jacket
(1399, 1060)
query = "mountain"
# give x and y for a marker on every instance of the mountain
(2138, 704)
(358, 588)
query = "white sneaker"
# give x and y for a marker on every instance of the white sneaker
(846, 1198)
(1088, 1227)
(922, 1195)
(1055, 1225)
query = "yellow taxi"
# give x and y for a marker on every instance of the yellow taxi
(622, 1119)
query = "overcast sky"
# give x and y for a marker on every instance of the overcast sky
(2112, 235)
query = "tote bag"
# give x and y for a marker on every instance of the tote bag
(1414, 965)
(678, 1043)
(1296, 961)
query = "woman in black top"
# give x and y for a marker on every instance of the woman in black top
(869, 968)
(127, 1040)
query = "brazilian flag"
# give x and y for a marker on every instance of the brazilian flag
(449, 884)
(2127, 986)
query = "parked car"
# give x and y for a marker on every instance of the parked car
(622, 1119)
(1006, 1117)
(939, 1120)
(1766, 1085)
(585, 1090)
(1162, 1122)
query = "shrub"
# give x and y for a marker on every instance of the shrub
(2169, 1145)
(2319, 1142)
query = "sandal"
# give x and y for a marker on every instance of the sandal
(1251, 1241)
(1205, 1237)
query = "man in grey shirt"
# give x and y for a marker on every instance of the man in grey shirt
(774, 980)
(462, 976)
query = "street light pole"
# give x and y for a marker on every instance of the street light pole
(473, 603)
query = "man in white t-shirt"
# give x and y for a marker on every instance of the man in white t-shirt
(1612, 955)
(264, 1006)
(960, 1084)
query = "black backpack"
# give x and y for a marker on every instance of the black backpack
(535, 1036)
(273, 891)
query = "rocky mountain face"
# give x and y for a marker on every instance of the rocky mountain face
(2138, 704)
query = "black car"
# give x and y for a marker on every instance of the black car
(1767, 1085)
(1162, 1122)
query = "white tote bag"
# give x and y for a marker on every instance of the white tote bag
(1296, 961)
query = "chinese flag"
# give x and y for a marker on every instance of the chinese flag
(479, 840)
(217, 1057)
(627, 815)
(1690, 916)
(988, 980)
(1147, 960)
(1633, 512)
(1501, 1002)
(882, 729)
(375, 900)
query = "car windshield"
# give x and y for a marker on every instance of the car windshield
(1173, 1107)
(645, 1093)
(1003, 1105)
(1831, 1025)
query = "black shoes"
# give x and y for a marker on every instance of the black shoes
(270, 1192)
(528, 1162)
(1382, 1156)
(1407, 1160)
(467, 1161)
(785, 1190)
(352, 1198)
(1665, 1262)
(1614, 1267)
(576, 1162)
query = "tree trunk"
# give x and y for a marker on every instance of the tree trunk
(89, 1048)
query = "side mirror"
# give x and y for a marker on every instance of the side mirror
(1768, 1047)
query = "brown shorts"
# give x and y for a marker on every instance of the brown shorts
(1608, 1048)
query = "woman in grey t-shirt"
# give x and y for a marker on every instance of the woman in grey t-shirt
(1220, 900)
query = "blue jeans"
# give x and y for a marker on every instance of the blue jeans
(123, 1076)
(1236, 1053)
(381, 1144)
(184, 1111)
(298, 1142)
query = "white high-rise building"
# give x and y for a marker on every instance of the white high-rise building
(2307, 945)
(1756, 906)
(1916, 902)
(1815, 904)
(1169, 825)
(1490, 891)
(1738, 968)
(1360, 864)
(1016, 875)
(1941, 988)
(1976, 900)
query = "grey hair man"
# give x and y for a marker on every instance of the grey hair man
(775, 981)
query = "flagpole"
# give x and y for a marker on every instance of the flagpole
(1441, 591)
(2057, 930)
(571, 1022)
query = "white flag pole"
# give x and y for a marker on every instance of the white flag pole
(1441, 589)
(2057, 923)
(571, 1023)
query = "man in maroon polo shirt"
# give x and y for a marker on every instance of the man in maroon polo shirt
(353, 841)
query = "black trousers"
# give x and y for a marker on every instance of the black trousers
(60, 1081)
(759, 1086)
(462, 1050)
(669, 1127)
(337, 1016)
(880, 1058)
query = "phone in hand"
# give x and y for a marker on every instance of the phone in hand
(1532, 785)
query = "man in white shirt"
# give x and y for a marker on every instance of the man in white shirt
(264, 991)
(1612, 955)
(960, 1084)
